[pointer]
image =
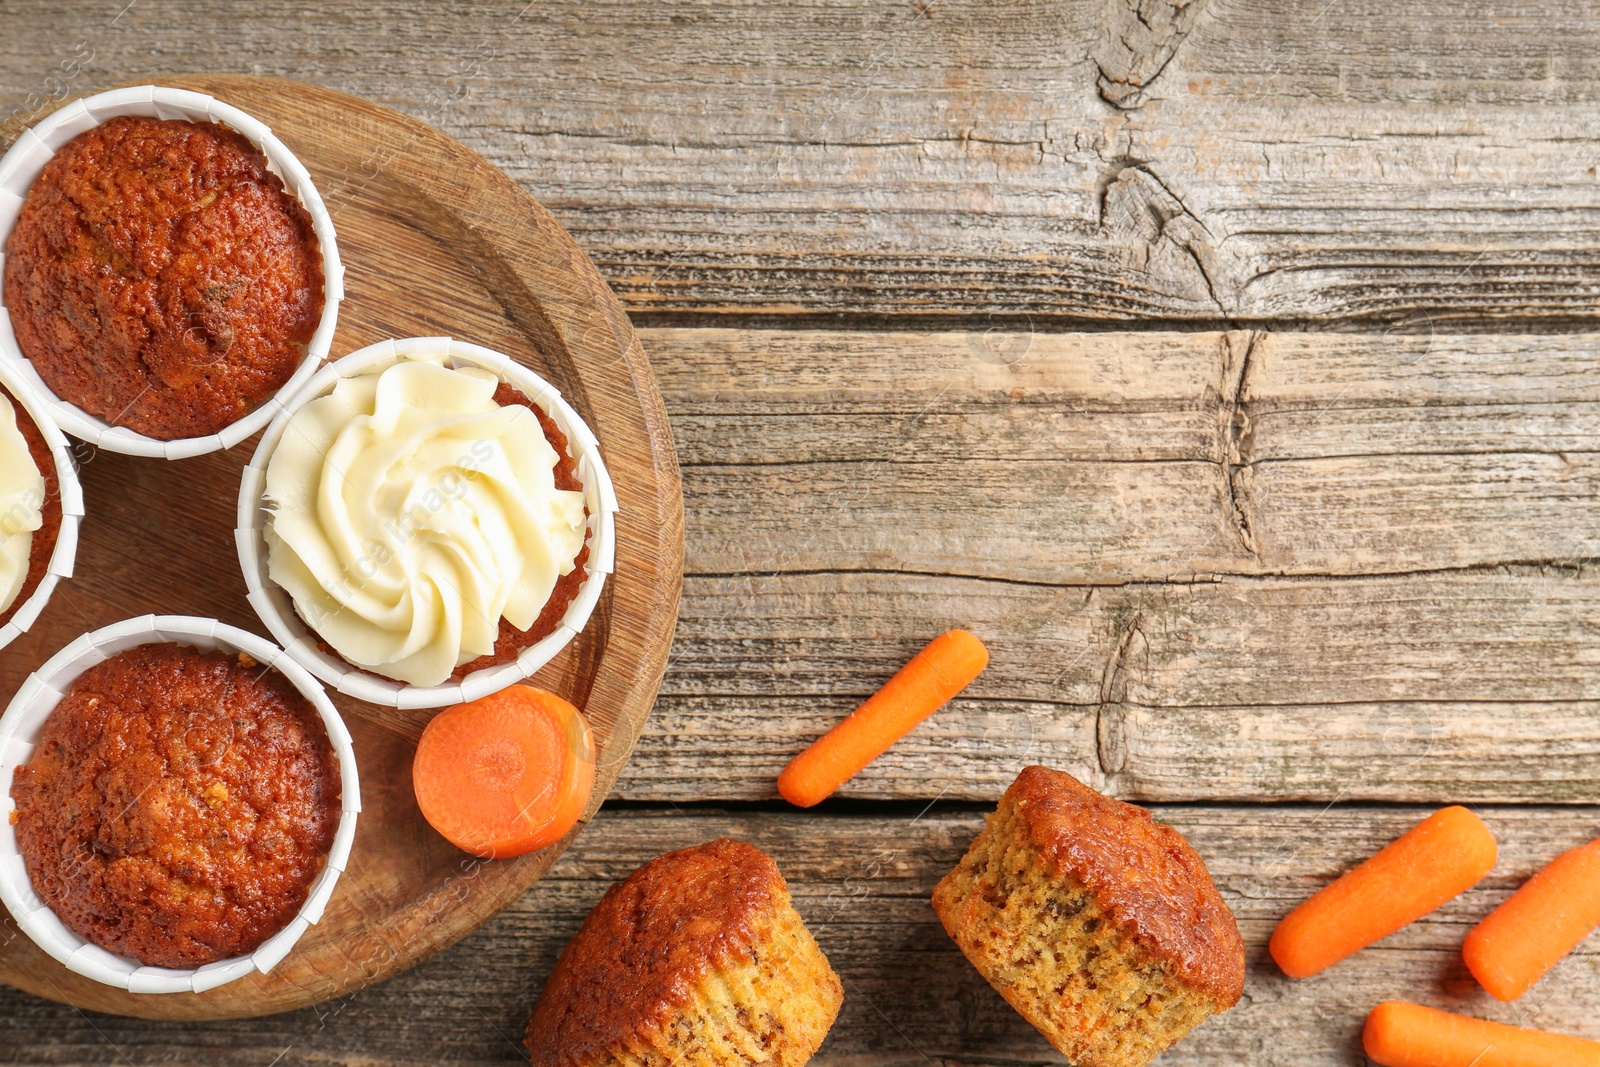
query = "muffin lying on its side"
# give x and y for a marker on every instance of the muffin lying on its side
(697, 959)
(1097, 923)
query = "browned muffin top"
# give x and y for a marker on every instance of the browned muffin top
(161, 278)
(43, 545)
(652, 938)
(178, 806)
(1143, 872)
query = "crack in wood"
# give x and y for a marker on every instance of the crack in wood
(1235, 434)
(1509, 567)
(1111, 743)
(1139, 40)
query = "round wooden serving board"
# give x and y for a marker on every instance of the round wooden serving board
(435, 242)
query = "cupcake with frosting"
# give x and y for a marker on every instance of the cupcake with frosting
(425, 517)
(30, 506)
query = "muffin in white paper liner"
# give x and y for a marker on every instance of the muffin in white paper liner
(66, 549)
(275, 607)
(28, 156)
(20, 727)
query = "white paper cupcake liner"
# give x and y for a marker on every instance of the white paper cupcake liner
(28, 156)
(20, 727)
(66, 550)
(276, 608)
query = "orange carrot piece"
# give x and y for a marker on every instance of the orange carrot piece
(1537, 925)
(942, 669)
(506, 774)
(1441, 857)
(1399, 1034)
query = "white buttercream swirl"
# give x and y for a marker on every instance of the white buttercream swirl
(21, 505)
(409, 513)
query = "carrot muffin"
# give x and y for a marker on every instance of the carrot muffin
(426, 521)
(179, 805)
(160, 277)
(1097, 923)
(697, 958)
(30, 506)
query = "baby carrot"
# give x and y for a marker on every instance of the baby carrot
(941, 670)
(1439, 858)
(1399, 1034)
(506, 774)
(1537, 925)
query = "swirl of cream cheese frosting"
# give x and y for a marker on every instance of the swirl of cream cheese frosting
(21, 505)
(408, 513)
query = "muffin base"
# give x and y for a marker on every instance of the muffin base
(1057, 957)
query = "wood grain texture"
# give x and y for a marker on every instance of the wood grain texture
(435, 242)
(1413, 163)
(1410, 617)
(862, 884)
(1213, 567)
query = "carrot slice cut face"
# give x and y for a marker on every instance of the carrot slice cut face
(507, 774)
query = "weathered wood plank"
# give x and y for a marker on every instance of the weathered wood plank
(1515, 634)
(1253, 161)
(1095, 522)
(862, 883)
(1096, 458)
(1416, 751)
(1476, 684)
(1136, 396)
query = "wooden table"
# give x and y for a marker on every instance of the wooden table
(1224, 366)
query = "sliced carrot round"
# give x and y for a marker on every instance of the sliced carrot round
(506, 774)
